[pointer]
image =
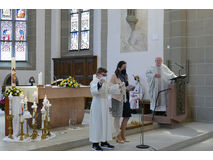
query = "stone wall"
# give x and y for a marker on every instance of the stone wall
(189, 35)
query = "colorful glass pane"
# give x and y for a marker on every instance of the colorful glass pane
(74, 41)
(74, 11)
(6, 14)
(21, 31)
(20, 51)
(85, 40)
(6, 51)
(20, 14)
(74, 22)
(85, 21)
(6, 30)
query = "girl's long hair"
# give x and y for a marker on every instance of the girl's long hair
(119, 65)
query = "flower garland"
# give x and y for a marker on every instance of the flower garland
(14, 92)
(69, 82)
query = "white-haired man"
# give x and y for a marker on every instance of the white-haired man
(158, 78)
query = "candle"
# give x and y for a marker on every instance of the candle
(34, 107)
(48, 110)
(25, 103)
(10, 103)
(13, 72)
(40, 78)
(43, 116)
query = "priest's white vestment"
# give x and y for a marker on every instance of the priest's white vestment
(158, 84)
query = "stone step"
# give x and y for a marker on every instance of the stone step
(189, 142)
(85, 141)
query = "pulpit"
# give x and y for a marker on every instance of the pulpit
(176, 105)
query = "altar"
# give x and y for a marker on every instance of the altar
(67, 104)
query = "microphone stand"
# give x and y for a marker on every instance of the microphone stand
(142, 145)
(153, 114)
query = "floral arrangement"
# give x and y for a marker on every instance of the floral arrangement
(69, 82)
(14, 91)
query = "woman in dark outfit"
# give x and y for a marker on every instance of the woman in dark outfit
(122, 75)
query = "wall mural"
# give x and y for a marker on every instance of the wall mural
(133, 30)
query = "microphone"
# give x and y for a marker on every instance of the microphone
(179, 65)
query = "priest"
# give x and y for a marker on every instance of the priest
(158, 78)
(100, 125)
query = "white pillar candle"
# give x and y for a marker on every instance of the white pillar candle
(34, 116)
(13, 72)
(10, 103)
(40, 79)
(25, 104)
(48, 110)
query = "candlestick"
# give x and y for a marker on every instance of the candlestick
(35, 133)
(43, 127)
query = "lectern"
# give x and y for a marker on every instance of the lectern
(176, 103)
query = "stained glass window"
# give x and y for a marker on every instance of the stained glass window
(85, 21)
(21, 31)
(74, 41)
(20, 14)
(85, 40)
(80, 29)
(6, 14)
(20, 50)
(6, 30)
(74, 22)
(6, 51)
(13, 34)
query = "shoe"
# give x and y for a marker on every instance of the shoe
(106, 145)
(119, 139)
(97, 148)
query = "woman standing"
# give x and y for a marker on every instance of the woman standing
(120, 107)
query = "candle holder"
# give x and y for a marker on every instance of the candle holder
(48, 118)
(22, 131)
(10, 128)
(27, 128)
(48, 129)
(35, 133)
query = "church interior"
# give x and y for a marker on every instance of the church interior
(49, 57)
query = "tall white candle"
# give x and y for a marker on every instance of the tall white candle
(40, 79)
(10, 103)
(13, 72)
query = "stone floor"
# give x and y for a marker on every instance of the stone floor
(206, 145)
(159, 139)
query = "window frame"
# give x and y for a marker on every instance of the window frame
(66, 30)
(14, 41)
(30, 63)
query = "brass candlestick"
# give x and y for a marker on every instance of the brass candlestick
(22, 131)
(48, 129)
(44, 133)
(27, 132)
(10, 119)
(35, 133)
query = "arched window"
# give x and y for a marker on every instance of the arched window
(13, 37)
(77, 30)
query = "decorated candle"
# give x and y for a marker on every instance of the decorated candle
(10, 103)
(48, 110)
(25, 103)
(43, 116)
(13, 72)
